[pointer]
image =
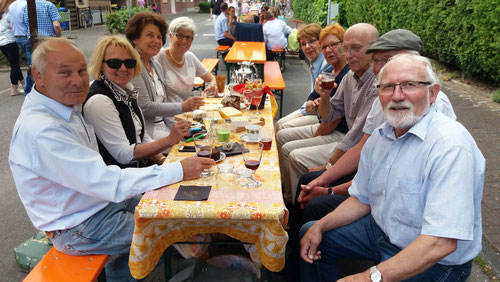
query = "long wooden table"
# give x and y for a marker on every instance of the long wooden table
(256, 215)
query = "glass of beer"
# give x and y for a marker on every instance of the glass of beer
(327, 80)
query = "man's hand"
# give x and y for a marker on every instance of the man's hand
(192, 103)
(309, 192)
(316, 168)
(193, 166)
(179, 130)
(309, 244)
(362, 276)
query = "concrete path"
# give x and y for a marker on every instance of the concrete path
(478, 114)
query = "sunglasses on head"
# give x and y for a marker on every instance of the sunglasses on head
(117, 63)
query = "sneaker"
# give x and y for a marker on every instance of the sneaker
(15, 90)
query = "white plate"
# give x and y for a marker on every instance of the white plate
(222, 157)
(244, 138)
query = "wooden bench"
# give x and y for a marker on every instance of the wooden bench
(221, 50)
(274, 79)
(56, 266)
(211, 65)
(279, 56)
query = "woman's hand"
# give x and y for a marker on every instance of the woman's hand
(192, 103)
(312, 106)
(179, 130)
(211, 89)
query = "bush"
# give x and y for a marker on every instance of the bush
(496, 96)
(117, 21)
(204, 7)
(460, 33)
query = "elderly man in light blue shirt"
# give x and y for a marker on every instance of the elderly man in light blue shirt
(417, 193)
(83, 205)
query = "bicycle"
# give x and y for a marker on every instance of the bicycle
(286, 9)
(86, 18)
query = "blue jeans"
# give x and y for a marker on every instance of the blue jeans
(25, 45)
(364, 239)
(109, 231)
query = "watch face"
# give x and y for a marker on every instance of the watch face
(375, 276)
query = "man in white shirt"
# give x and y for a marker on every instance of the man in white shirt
(83, 205)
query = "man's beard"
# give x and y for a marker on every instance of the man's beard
(407, 119)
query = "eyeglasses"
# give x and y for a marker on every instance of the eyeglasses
(407, 87)
(117, 63)
(354, 49)
(182, 36)
(331, 45)
(310, 42)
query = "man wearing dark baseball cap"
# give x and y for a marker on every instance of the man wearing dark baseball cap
(390, 44)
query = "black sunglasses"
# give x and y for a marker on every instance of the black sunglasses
(117, 63)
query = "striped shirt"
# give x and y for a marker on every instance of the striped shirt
(353, 99)
(46, 13)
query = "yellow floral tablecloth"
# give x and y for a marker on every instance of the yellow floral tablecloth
(256, 215)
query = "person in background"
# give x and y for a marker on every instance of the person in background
(47, 17)
(111, 107)
(215, 9)
(10, 50)
(417, 172)
(222, 34)
(181, 66)
(275, 34)
(245, 7)
(276, 13)
(141, 3)
(16, 10)
(232, 20)
(308, 37)
(147, 32)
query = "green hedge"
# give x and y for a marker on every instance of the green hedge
(460, 33)
(204, 7)
(117, 21)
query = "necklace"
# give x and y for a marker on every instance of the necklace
(173, 59)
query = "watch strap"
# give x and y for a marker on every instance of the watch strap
(330, 191)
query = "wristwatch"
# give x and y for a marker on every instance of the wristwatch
(375, 275)
(330, 191)
(328, 165)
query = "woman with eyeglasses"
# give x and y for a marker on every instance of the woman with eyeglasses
(308, 37)
(180, 65)
(147, 32)
(111, 107)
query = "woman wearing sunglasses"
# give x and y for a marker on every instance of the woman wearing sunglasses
(112, 109)
(147, 32)
(181, 66)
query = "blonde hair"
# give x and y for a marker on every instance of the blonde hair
(97, 58)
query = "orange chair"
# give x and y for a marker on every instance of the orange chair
(56, 266)
(274, 79)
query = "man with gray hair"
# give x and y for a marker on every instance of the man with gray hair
(83, 205)
(417, 193)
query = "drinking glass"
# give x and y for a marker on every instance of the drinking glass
(257, 97)
(197, 93)
(203, 147)
(327, 80)
(266, 137)
(252, 157)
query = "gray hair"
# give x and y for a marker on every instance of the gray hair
(431, 74)
(39, 57)
(182, 23)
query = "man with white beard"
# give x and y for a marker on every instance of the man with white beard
(417, 193)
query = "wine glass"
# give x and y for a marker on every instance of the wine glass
(256, 98)
(252, 157)
(204, 144)
(247, 98)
